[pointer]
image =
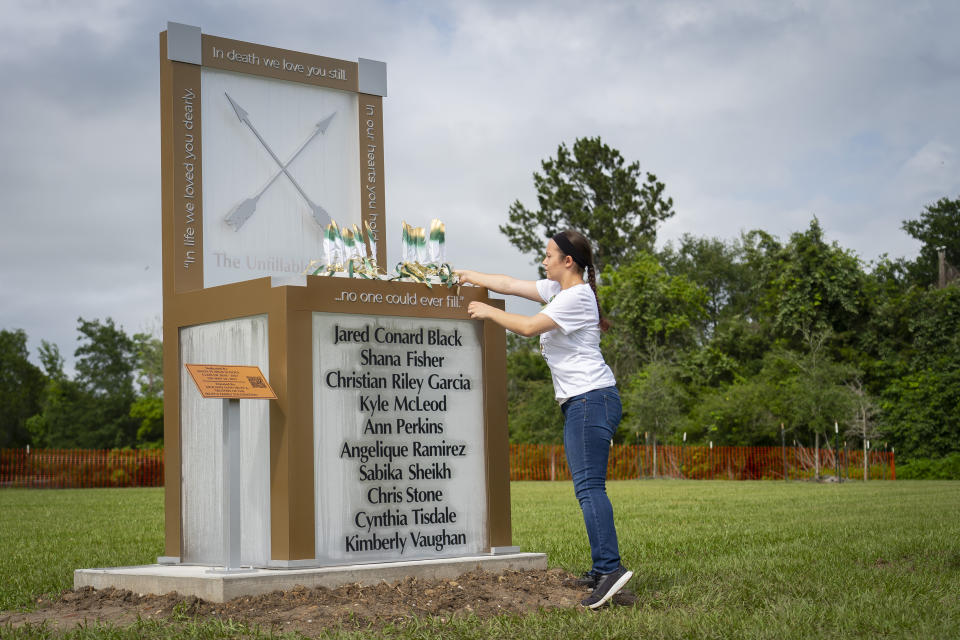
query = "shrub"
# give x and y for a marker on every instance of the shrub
(947, 468)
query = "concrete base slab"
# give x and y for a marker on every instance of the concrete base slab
(194, 580)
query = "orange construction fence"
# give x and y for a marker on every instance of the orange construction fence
(78, 468)
(630, 461)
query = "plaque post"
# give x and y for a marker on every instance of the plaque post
(230, 505)
(230, 383)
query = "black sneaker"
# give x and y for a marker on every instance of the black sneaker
(607, 586)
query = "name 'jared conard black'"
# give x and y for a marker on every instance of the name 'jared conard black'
(382, 335)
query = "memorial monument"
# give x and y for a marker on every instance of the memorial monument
(385, 452)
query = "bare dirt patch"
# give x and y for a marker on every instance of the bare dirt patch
(310, 611)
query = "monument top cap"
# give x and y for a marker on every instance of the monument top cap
(372, 77)
(184, 43)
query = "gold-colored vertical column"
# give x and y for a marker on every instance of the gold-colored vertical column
(372, 207)
(176, 79)
(171, 359)
(292, 523)
(496, 433)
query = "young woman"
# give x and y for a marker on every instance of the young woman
(569, 328)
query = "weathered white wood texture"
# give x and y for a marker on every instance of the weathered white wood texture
(242, 341)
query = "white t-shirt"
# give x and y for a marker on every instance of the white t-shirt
(573, 351)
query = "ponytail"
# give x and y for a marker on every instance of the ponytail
(592, 280)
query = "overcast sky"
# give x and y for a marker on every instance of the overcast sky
(755, 115)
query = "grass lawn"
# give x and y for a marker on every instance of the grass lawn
(712, 559)
(47, 533)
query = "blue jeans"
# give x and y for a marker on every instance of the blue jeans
(590, 420)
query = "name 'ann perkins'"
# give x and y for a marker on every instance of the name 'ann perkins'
(421, 426)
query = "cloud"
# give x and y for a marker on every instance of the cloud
(931, 172)
(754, 114)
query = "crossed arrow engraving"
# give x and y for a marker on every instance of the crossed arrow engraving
(240, 213)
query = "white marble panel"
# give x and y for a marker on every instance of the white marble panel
(282, 235)
(241, 342)
(365, 369)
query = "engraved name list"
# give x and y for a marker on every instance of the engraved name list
(400, 408)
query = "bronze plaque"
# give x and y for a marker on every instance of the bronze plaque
(231, 381)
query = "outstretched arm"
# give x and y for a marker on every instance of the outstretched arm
(525, 326)
(501, 284)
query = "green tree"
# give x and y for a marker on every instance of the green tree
(920, 413)
(654, 315)
(92, 411)
(63, 404)
(912, 341)
(148, 350)
(813, 387)
(148, 406)
(744, 413)
(21, 386)
(862, 424)
(885, 337)
(806, 390)
(654, 401)
(716, 266)
(735, 351)
(709, 366)
(938, 227)
(921, 398)
(816, 287)
(149, 411)
(760, 255)
(934, 326)
(591, 188)
(106, 363)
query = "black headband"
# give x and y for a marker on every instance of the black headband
(567, 247)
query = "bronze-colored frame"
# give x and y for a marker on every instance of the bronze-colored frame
(289, 312)
(183, 197)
